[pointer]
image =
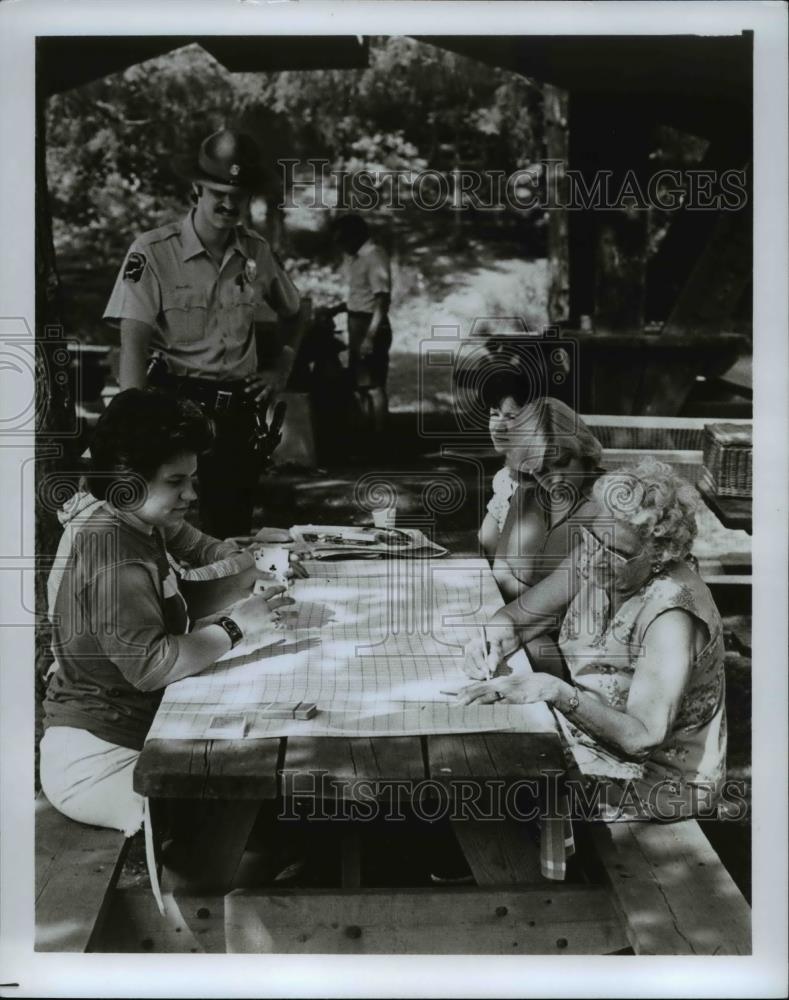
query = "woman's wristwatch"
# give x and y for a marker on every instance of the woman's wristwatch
(231, 628)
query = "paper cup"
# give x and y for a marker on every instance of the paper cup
(385, 517)
(273, 559)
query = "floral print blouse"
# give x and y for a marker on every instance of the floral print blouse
(602, 652)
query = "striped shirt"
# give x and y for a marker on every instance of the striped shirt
(117, 616)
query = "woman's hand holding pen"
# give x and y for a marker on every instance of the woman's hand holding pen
(486, 654)
(519, 689)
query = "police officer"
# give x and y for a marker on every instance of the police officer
(187, 298)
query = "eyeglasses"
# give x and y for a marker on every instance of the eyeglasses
(611, 553)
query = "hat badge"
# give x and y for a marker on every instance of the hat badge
(235, 170)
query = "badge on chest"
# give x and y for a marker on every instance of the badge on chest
(248, 275)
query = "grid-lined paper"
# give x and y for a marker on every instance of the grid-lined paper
(373, 650)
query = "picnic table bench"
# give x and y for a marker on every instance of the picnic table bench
(77, 868)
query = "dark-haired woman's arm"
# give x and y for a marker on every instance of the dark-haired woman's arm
(127, 616)
(194, 547)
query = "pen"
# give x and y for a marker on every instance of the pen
(484, 633)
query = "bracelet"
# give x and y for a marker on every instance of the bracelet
(574, 702)
(232, 630)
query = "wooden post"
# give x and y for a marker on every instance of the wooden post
(608, 236)
(583, 155)
(55, 415)
(555, 110)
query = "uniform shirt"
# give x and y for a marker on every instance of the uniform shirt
(202, 315)
(368, 274)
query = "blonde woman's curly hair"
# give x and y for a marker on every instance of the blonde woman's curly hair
(657, 503)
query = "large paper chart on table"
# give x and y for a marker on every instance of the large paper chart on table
(374, 645)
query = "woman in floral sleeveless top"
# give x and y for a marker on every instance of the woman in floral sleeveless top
(640, 696)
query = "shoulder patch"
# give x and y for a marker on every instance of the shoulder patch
(134, 266)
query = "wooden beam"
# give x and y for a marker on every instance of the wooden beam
(206, 856)
(208, 769)
(511, 921)
(555, 112)
(674, 895)
(498, 852)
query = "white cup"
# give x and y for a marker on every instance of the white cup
(385, 517)
(274, 559)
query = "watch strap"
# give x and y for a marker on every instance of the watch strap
(232, 629)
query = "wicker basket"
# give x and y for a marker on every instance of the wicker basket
(728, 459)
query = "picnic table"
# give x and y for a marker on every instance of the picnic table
(631, 890)
(447, 753)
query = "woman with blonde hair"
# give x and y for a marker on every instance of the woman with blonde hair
(643, 694)
(544, 491)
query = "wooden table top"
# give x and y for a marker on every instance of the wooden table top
(732, 512)
(264, 769)
(267, 768)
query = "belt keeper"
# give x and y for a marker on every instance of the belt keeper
(223, 399)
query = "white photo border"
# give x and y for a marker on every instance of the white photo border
(150, 975)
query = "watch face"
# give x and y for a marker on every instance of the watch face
(232, 629)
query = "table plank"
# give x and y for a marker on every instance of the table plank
(349, 762)
(209, 769)
(507, 756)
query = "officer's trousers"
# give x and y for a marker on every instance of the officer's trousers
(228, 475)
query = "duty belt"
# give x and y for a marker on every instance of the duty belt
(209, 393)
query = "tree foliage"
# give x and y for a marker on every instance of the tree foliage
(110, 143)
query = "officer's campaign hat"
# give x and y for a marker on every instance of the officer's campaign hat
(227, 160)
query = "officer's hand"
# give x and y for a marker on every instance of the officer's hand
(273, 536)
(258, 388)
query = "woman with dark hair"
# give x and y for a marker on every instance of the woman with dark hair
(544, 491)
(121, 628)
